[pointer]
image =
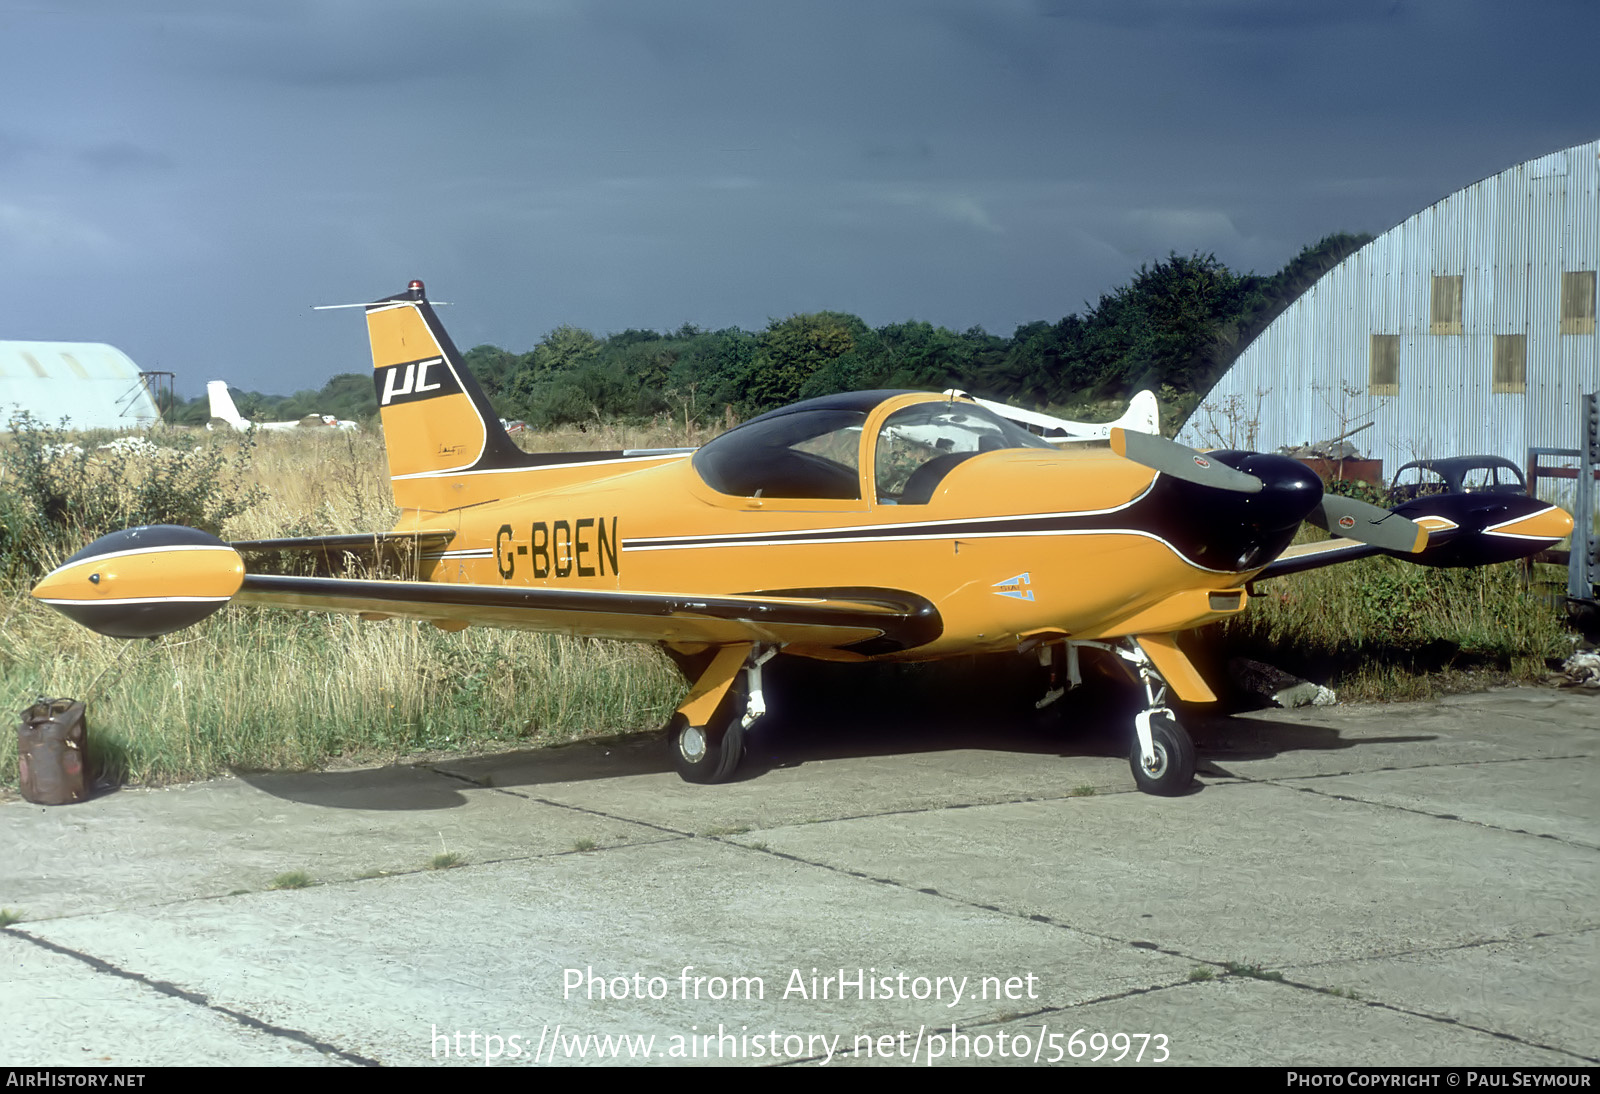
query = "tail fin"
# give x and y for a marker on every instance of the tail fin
(1143, 414)
(446, 445)
(437, 422)
(222, 404)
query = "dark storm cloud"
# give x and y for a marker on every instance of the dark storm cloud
(1256, 17)
(15, 147)
(625, 164)
(327, 45)
(120, 156)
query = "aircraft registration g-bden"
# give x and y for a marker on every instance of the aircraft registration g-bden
(872, 525)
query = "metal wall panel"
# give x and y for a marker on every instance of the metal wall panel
(89, 385)
(1509, 237)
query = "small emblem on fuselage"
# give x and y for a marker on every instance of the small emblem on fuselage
(1347, 522)
(1015, 587)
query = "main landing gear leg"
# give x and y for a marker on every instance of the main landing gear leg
(707, 731)
(1060, 661)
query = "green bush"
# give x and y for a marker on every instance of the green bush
(58, 490)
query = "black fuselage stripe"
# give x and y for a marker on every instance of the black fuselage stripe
(1113, 523)
(937, 530)
(1110, 519)
(1208, 529)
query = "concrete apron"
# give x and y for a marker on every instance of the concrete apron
(1412, 884)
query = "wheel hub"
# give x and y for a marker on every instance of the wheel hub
(692, 743)
(1158, 766)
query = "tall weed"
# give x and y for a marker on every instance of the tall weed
(1380, 628)
(58, 490)
(257, 689)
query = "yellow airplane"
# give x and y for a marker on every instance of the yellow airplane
(873, 525)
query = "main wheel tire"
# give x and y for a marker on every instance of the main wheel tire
(710, 753)
(703, 756)
(1173, 770)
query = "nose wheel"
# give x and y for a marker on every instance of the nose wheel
(1163, 755)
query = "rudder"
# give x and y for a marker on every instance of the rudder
(222, 403)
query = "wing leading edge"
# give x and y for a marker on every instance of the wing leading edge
(860, 621)
(153, 580)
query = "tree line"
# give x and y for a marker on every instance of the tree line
(1175, 328)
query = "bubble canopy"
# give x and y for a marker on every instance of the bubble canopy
(814, 449)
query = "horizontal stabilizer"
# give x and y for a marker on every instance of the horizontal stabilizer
(400, 552)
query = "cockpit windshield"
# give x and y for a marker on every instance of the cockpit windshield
(804, 454)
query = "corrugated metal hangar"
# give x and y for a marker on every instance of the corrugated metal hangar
(1467, 329)
(90, 384)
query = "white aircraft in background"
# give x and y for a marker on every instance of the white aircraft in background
(1143, 416)
(222, 408)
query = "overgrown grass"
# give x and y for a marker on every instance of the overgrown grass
(316, 484)
(260, 690)
(254, 689)
(1254, 972)
(1385, 629)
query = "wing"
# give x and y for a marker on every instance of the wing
(148, 581)
(367, 553)
(1463, 530)
(855, 620)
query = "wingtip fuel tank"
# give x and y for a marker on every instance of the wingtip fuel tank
(144, 582)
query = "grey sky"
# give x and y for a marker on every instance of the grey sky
(184, 179)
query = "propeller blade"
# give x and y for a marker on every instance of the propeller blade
(1367, 523)
(1181, 462)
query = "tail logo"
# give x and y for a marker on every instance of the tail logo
(414, 380)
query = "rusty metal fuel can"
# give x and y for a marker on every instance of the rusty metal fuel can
(53, 752)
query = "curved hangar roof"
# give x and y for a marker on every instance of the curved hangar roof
(1468, 328)
(90, 384)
